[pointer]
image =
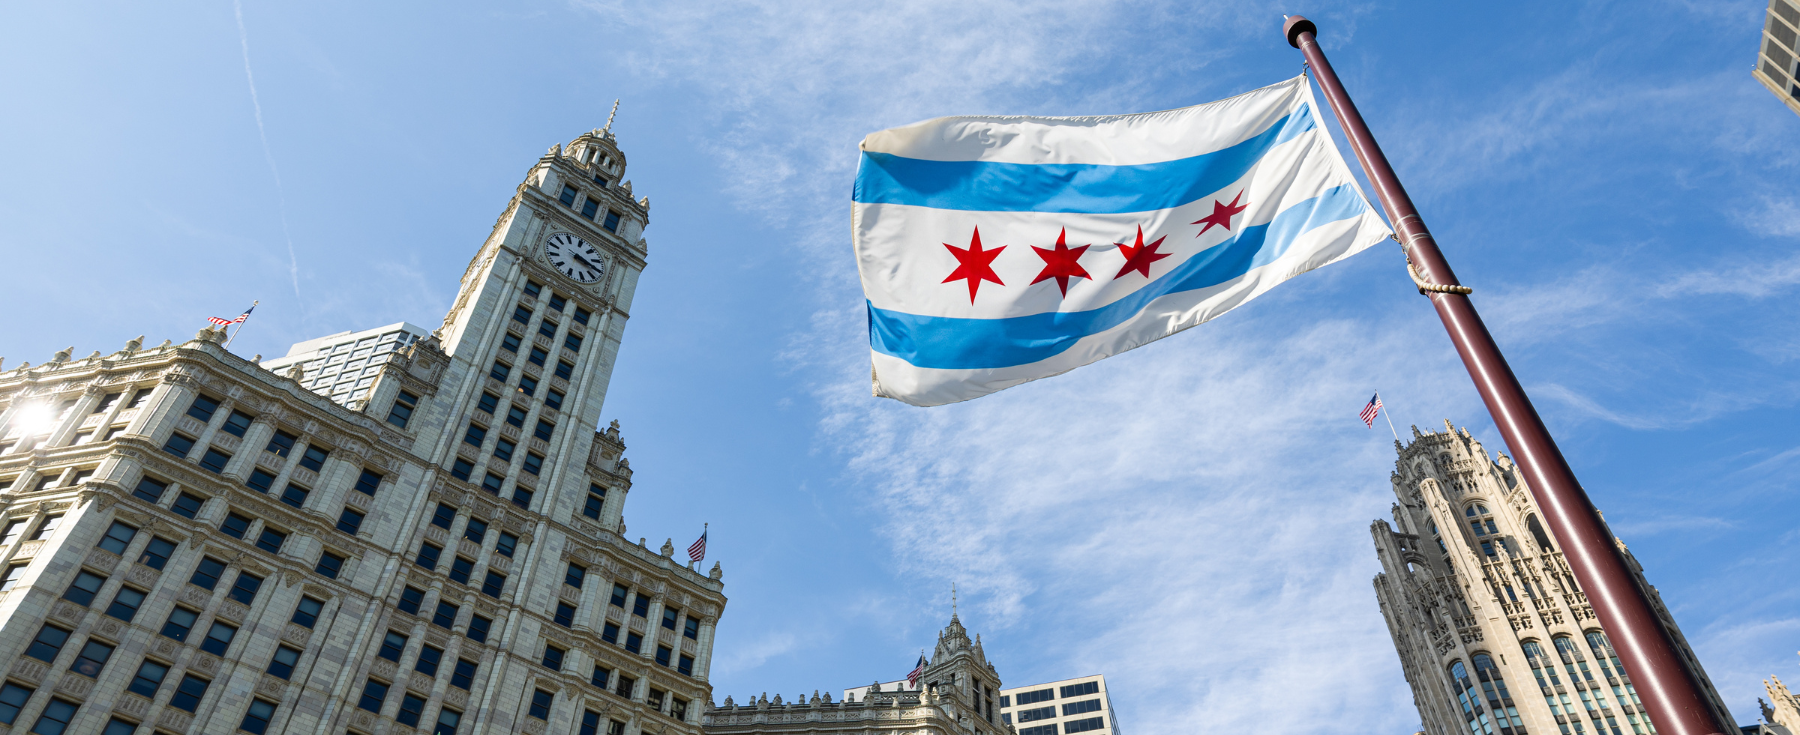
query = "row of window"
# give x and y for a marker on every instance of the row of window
(237, 525)
(106, 403)
(1075, 726)
(590, 206)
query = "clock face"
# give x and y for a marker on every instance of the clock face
(574, 257)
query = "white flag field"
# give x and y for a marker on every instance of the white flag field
(996, 250)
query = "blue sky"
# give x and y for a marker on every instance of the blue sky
(1189, 519)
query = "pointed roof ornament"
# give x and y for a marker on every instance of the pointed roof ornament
(609, 118)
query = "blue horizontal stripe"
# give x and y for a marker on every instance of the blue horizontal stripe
(958, 343)
(987, 186)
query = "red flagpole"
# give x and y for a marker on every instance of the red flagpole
(1664, 683)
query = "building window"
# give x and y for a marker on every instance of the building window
(461, 469)
(180, 624)
(157, 552)
(548, 329)
(596, 502)
(589, 208)
(488, 403)
(445, 617)
(691, 629)
(148, 679)
(203, 407)
(214, 460)
(582, 315)
(1076, 690)
(1091, 723)
(612, 221)
(138, 398)
(55, 718)
(218, 638)
(187, 504)
(245, 587)
(619, 593)
(282, 444)
(475, 530)
(447, 721)
(510, 343)
(537, 357)
(402, 410)
(493, 584)
(640, 606)
(349, 521)
(149, 490)
(553, 400)
(256, 720)
(306, 614)
(534, 463)
(625, 686)
(492, 483)
(106, 403)
(575, 576)
(686, 665)
(572, 343)
(207, 574)
(521, 315)
(1033, 697)
(565, 615)
(429, 658)
(599, 678)
(443, 516)
(503, 450)
(464, 675)
(663, 655)
(540, 705)
(260, 481)
(428, 555)
(410, 600)
(500, 371)
(92, 659)
(83, 589)
(544, 430)
(374, 693)
(235, 525)
(314, 458)
(45, 528)
(125, 604)
(634, 643)
(12, 699)
(479, 627)
(411, 708)
(568, 196)
(329, 565)
(670, 617)
(521, 497)
(507, 544)
(610, 633)
(553, 657)
(1040, 713)
(528, 385)
(1082, 707)
(392, 646)
(282, 666)
(461, 568)
(236, 424)
(654, 698)
(564, 370)
(516, 415)
(179, 445)
(294, 495)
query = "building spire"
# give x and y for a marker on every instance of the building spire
(609, 116)
(952, 600)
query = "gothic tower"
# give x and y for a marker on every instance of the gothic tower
(1493, 632)
(385, 532)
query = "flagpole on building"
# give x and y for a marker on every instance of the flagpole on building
(1663, 681)
(241, 324)
(1386, 414)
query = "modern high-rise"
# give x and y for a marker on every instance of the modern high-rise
(423, 537)
(1061, 707)
(1777, 61)
(1494, 634)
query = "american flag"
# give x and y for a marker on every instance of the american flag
(697, 550)
(1370, 411)
(912, 679)
(240, 320)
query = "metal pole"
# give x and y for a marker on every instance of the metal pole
(1664, 683)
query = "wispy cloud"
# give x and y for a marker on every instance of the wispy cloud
(237, 8)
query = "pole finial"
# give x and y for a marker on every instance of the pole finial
(609, 116)
(1296, 25)
(952, 599)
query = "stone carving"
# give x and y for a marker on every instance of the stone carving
(29, 670)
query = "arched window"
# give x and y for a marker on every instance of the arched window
(1615, 676)
(1544, 669)
(1473, 712)
(1437, 538)
(1481, 521)
(1494, 686)
(1593, 697)
(1483, 706)
(1538, 534)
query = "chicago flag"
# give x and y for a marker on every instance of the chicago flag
(997, 250)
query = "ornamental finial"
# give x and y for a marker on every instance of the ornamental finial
(609, 116)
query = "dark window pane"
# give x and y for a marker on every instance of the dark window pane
(307, 612)
(203, 407)
(612, 221)
(464, 676)
(149, 677)
(553, 658)
(180, 623)
(429, 658)
(329, 564)
(443, 516)
(179, 445)
(402, 410)
(507, 544)
(236, 424)
(478, 628)
(411, 707)
(235, 525)
(218, 638)
(207, 574)
(125, 604)
(12, 699)
(564, 370)
(392, 646)
(410, 600)
(428, 555)
(565, 614)
(294, 495)
(82, 590)
(540, 704)
(214, 460)
(156, 554)
(521, 497)
(245, 587)
(553, 399)
(282, 443)
(575, 576)
(489, 402)
(493, 584)
(461, 568)
(92, 659)
(150, 490)
(368, 483)
(374, 693)
(187, 504)
(55, 718)
(314, 458)
(284, 662)
(260, 481)
(350, 521)
(256, 719)
(461, 469)
(475, 530)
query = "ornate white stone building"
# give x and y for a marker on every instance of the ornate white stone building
(959, 692)
(192, 543)
(1493, 632)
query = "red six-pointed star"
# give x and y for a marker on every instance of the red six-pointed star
(1139, 257)
(1222, 214)
(974, 264)
(1063, 263)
